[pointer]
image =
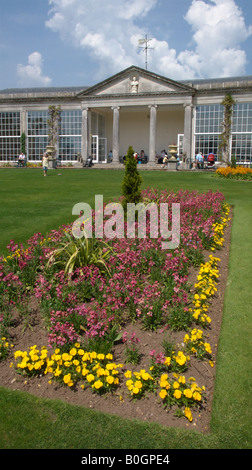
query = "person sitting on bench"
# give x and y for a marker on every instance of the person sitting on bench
(89, 161)
(21, 159)
(210, 159)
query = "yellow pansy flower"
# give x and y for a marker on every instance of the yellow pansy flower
(177, 394)
(98, 384)
(188, 393)
(163, 394)
(110, 379)
(188, 414)
(197, 396)
(90, 377)
(128, 374)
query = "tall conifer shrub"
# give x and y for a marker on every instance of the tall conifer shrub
(131, 185)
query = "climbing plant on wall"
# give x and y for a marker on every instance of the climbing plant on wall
(53, 122)
(225, 137)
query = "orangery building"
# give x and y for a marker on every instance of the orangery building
(134, 107)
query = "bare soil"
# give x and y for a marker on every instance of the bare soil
(149, 408)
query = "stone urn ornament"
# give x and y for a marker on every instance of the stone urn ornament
(173, 150)
(172, 161)
(51, 151)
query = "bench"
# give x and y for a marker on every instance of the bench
(21, 163)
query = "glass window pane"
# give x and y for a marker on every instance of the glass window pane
(9, 124)
(71, 122)
(10, 148)
(241, 147)
(209, 118)
(70, 125)
(69, 148)
(242, 114)
(206, 144)
(37, 123)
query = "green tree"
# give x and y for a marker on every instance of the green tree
(131, 185)
(22, 141)
(233, 161)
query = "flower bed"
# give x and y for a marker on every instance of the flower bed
(86, 311)
(239, 172)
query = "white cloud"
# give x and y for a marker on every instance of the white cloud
(109, 33)
(219, 30)
(130, 9)
(32, 74)
(105, 30)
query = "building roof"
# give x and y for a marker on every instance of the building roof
(109, 85)
(218, 80)
(35, 90)
(200, 85)
(230, 84)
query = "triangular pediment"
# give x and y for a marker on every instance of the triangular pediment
(136, 81)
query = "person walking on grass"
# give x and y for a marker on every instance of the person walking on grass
(45, 163)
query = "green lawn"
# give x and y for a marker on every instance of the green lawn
(31, 203)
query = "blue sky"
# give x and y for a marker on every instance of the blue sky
(81, 42)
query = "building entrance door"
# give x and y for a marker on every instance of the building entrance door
(99, 149)
(95, 148)
(102, 150)
(180, 144)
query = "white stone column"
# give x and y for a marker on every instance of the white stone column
(153, 133)
(188, 131)
(116, 134)
(85, 134)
